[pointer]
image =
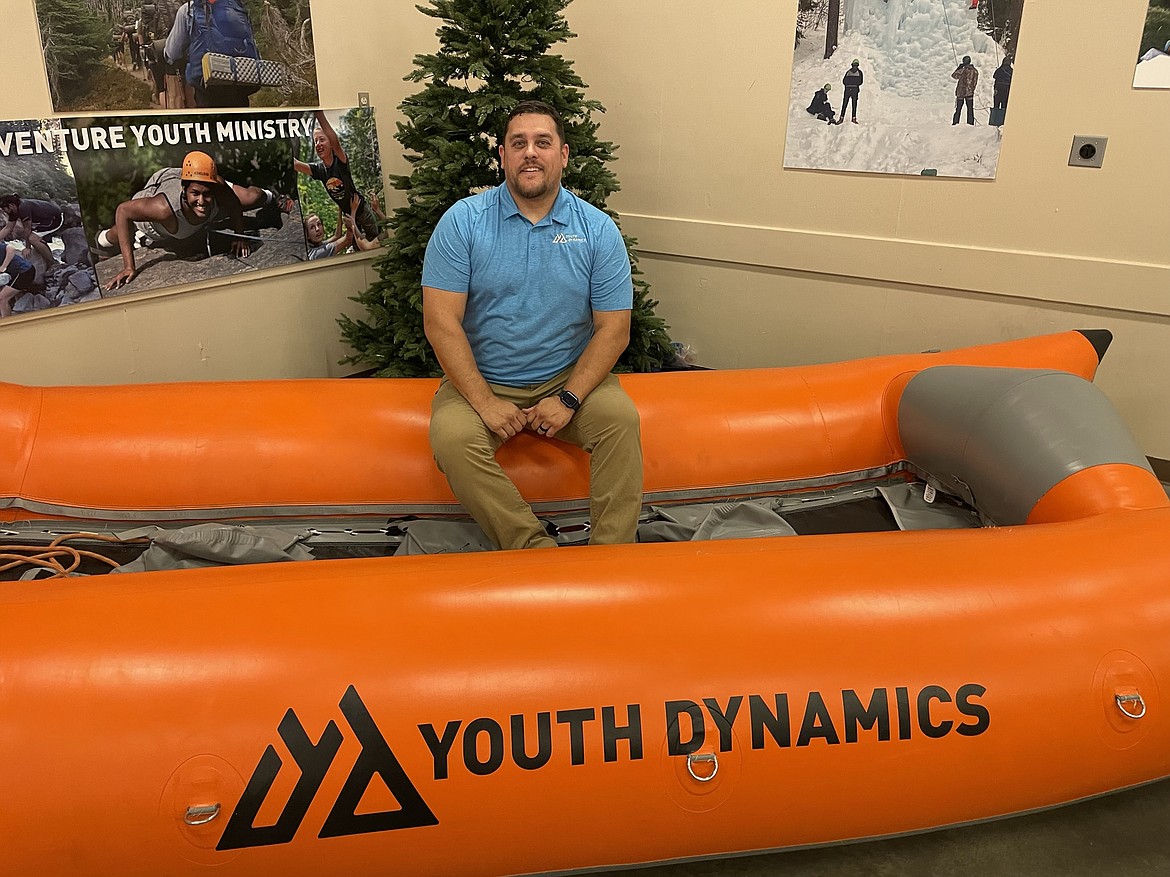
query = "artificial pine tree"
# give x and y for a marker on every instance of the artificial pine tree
(492, 55)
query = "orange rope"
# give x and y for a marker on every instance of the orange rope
(48, 557)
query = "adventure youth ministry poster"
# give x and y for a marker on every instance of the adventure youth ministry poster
(110, 55)
(1153, 67)
(911, 87)
(138, 203)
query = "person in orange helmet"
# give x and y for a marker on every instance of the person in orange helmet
(176, 205)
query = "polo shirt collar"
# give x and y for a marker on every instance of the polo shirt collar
(560, 212)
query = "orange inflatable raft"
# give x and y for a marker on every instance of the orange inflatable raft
(507, 713)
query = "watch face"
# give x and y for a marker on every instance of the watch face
(570, 400)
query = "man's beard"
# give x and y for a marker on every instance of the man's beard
(533, 187)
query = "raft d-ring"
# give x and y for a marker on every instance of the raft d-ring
(201, 815)
(1123, 701)
(704, 757)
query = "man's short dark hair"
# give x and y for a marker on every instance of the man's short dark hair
(7, 201)
(538, 108)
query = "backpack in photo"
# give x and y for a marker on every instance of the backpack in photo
(223, 49)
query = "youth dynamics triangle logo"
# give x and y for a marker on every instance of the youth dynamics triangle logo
(314, 761)
(562, 238)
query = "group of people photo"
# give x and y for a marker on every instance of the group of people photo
(358, 222)
(35, 259)
(892, 74)
(179, 54)
(44, 260)
(966, 74)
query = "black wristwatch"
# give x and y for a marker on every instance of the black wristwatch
(569, 400)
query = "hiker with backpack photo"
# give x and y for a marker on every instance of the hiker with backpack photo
(222, 29)
(193, 54)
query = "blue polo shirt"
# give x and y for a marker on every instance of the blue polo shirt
(531, 289)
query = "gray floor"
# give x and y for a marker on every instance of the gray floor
(1122, 835)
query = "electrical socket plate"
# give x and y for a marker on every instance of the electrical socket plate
(363, 98)
(1087, 151)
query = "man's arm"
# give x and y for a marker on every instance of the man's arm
(153, 209)
(443, 324)
(375, 205)
(344, 233)
(611, 336)
(356, 237)
(175, 49)
(359, 238)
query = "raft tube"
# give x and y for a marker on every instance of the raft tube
(553, 712)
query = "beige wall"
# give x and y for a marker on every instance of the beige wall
(752, 264)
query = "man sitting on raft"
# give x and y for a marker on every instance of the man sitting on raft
(526, 302)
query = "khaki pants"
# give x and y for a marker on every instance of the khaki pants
(606, 426)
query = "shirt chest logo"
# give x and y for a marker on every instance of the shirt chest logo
(562, 238)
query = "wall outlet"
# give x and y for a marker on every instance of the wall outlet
(363, 98)
(1087, 151)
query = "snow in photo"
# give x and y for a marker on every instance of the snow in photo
(902, 86)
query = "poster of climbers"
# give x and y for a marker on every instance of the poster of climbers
(902, 86)
(1153, 63)
(105, 206)
(104, 56)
